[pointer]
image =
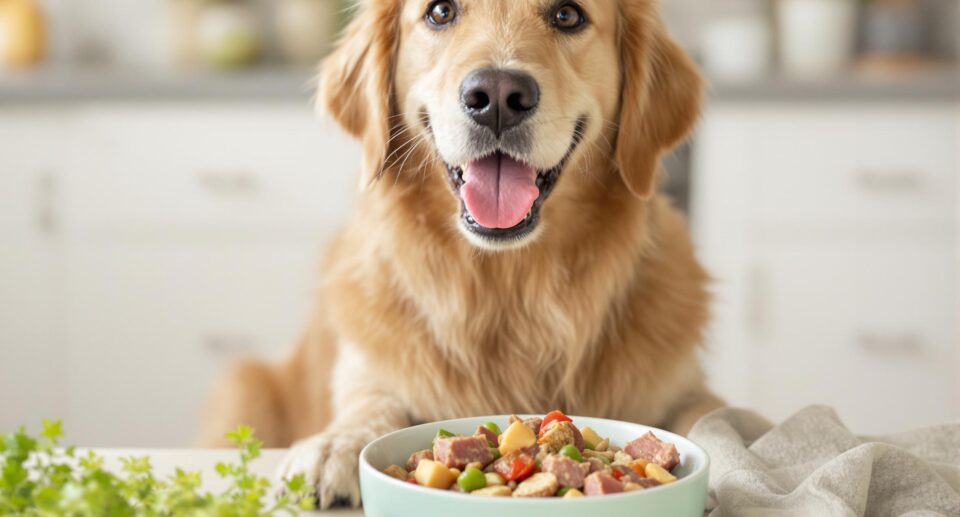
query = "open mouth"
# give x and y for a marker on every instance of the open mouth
(500, 196)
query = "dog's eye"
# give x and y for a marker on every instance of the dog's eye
(568, 17)
(441, 13)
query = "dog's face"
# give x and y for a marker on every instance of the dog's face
(507, 94)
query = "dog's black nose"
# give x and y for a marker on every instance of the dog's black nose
(499, 99)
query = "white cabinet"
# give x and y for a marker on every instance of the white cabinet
(186, 234)
(832, 232)
(31, 279)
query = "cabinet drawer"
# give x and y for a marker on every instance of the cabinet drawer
(222, 165)
(841, 166)
(152, 327)
(857, 328)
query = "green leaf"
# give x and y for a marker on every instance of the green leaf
(52, 431)
(54, 483)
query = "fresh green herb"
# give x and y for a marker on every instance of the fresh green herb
(40, 479)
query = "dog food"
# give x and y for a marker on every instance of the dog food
(548, 457)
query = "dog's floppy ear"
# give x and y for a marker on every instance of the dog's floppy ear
(661, 92)
(356, 80)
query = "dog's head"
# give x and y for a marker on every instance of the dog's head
(508, 95)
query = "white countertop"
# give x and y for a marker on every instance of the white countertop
(165, 461)
(71, 83)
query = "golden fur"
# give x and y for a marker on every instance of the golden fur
(600, 313)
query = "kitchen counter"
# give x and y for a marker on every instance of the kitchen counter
(77, 84)
(932, 85)
(66, 84)
(165, 461)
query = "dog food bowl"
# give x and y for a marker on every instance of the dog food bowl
(384, 496)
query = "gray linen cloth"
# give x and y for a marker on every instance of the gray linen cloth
(811, 464)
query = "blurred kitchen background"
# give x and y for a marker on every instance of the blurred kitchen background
(166, 189)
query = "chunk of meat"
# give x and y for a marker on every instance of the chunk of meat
(460, 451)
(488, 434)
(533, 423)
(601, 483)
(415, 458)
(650, 448)
(597, 465)
(569, 472)
(648, 483)
(543, 484)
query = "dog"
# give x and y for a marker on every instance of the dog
(509, 252)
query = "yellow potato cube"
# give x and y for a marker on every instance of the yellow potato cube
(590, 436)
(434, 475)
(517, 436)
(573, 492)
(658, 473)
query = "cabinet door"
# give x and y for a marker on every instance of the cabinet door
(869, 329)
(152, 325)
(32, 147)
(264, 168)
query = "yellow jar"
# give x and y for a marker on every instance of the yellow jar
(22, 33)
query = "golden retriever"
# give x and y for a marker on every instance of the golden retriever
(509, 251)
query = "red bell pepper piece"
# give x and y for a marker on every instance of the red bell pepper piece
(515, 466)
(551, 417)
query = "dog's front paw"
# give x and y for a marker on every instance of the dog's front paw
(328, 461)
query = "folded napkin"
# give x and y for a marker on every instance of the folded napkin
(812, 465)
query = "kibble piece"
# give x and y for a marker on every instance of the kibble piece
(542, 484)
(396, 471)
(493, 491)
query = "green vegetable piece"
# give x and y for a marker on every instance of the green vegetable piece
(563, 491)
(472, 479)
(571, 452)
(493, 427)
(589, 446)
(441, 433)
(604, 459)
(496, 453)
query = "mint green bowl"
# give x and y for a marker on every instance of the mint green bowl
(384, 496)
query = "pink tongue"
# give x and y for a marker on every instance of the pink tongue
(499, 191)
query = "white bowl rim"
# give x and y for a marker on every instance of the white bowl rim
(676, 485)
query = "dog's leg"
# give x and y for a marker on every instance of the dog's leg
(364, 409)
(690, 408)
(249, 395)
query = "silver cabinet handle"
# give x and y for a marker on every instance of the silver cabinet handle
(230, 183)
(907, 344)
(891, 182)
(228, 345)
(46, 201)
(757, 301)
